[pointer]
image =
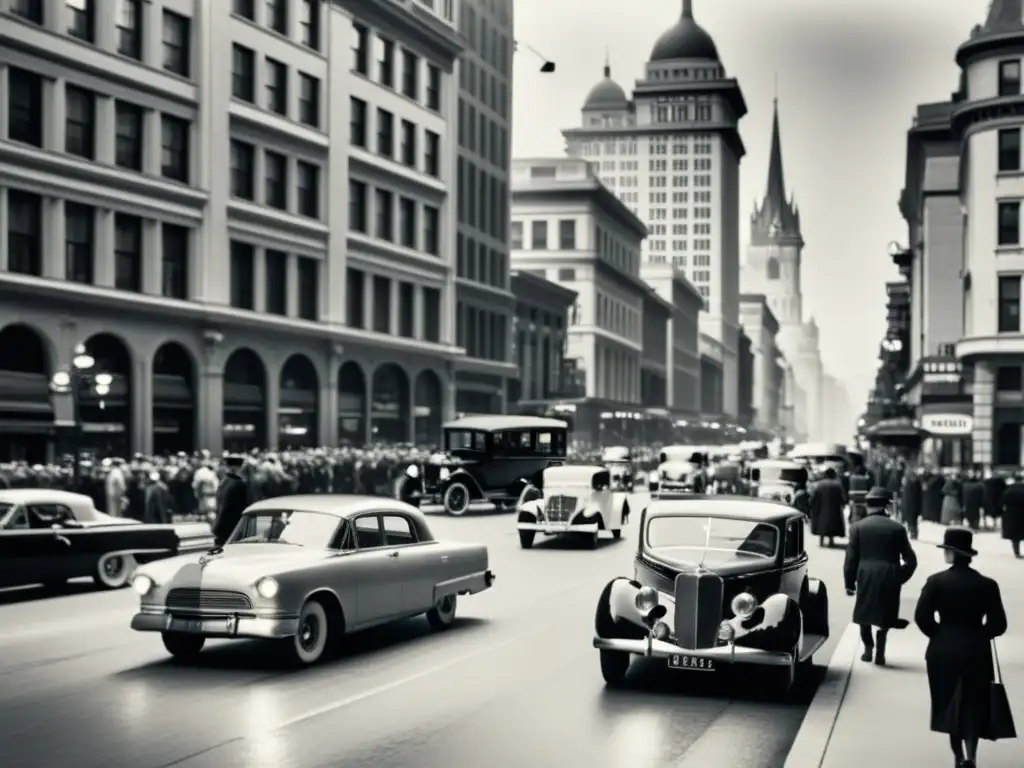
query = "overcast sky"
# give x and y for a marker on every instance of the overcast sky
(849, 74)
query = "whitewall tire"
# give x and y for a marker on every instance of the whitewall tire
(442, 615)
(308, 644)
(114, 571)
(456, 499)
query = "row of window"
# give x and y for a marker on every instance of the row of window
(394, 218)
(1009, 304)
(275, 17)
(383, 68)
(656, 145)
(482, 333)
(540, 237)
(27, 245)
(276, 92)
(374, 301)
(397, 140)
(618, 318)
(480, 263)
(245, 258)
(682, 113)
(482, 200)
(278, 179)
(479, 134)
(489, 88)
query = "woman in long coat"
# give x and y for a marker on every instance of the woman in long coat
(826, 503)
(952, 506)
(1012, 506)
(959, 657)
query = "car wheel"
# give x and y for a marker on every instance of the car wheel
(114, 571)
(614, 666)
(456, 499)
(308, 644)
(526, 539)
(182, 646)
(442, 615)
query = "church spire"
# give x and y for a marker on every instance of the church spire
(777, 216)
(775, 194)
(607, 62)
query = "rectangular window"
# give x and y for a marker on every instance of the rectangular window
(381, 304)
(1009, 223)
(410, 74)
(567, 235)
(277, 16)
(1009, 77)
(407, 222)
(277, 282)
(386, 61)
(357, 122)
(243, 170)
(174, 275)
(81, 21)
(243, 73)
(539, 236)
(275, 188)
(432, 315)
(127, 253)
(431, 230)
(361, 49)
(128, 141)
(24, 233)
(385, 133)
(309, 100)
(174, 148)
(277, 87)
(357, 206)
(432, 154)
(406, 309)
(80, 228)
(385, 228)
(433, 88)
(1009, 304)
(1009, 149)
(516, 239)
(309, 24)
(408, 149)
(309, 288)
(356, 298)
(25, 107)
(176, 38)
(1008, 379)
(129, 28)
(308, 183)
(245, 8)
(29, 10)
(80, 122)
(243, 276)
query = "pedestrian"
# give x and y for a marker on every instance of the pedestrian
(232, 499)
(1012, 509)
(952, 512)
(158, 505)
(994, 487)
(974, 500)
(879, 561)
(913, 497)
(960, 641)
(827, 502)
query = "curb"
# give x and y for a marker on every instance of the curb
(812, 740)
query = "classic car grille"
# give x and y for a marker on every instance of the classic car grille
(188, 599)
(699, 598)
(559, 509)
(431, 474)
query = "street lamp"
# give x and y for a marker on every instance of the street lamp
(70, 382)
(546, 67)
(892, 345)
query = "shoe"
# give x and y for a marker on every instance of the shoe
(868, 655)
(880, 659)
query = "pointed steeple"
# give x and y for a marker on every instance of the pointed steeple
(775, 194)
(777, 217)
(607, 62)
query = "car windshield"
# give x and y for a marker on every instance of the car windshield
(272, 526)
(792, 475)
(5, 509)
(711, 539)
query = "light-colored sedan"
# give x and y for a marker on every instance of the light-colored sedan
(307, 569)
(572, 500)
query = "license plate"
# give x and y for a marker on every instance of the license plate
(193, 626)
(694, 663)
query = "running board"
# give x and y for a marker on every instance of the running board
(811, 645)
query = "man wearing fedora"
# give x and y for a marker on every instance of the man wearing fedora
(879, 561)
(232, 499)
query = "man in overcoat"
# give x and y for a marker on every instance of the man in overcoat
(879, 561)
(827, 502)
(911, 502)
(232, 499)
(994, 487)
(1012, 507)
(973, 495)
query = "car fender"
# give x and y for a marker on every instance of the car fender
(815, 608)
(776, 625)
(528, 511)
(464, 477)
(619, 500)
(617, 615)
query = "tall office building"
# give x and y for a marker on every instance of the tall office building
(240, 209)
(485, 302)
(672, 153)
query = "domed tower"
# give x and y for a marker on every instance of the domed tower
(606, 96)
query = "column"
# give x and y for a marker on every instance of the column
(104, 14)
(449, 393)
(106, 130)
(395, 295)
(5, 85)
(291, 199)
(526, 374)
(291, 302)
(210, 432)
(54, 115)
(368, 301)
(329, 397)
(259, 280)
(538, 351)
(259, 166)
(418, 330)
(369, 371)
(55, 16)
(142, 406)
(103, 253)
(152, 48)
(152, 158)
(983, 401)
(5, 224)
(152, 258)
(54, 237)
(273, 404)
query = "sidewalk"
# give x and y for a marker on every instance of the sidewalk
(868, 715)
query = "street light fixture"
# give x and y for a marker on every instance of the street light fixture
(82, 360)
(70, 382)
(547, 66)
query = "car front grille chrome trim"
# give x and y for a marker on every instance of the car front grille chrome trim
(560, 508)
(204, 600)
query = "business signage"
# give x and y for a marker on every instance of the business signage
(947, 424)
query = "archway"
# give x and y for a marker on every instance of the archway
(245, 401)
(174, 400)
(300, 398)
(26, 410)
(428, 409)
(389, 416)
(106, 420)
(351, 404)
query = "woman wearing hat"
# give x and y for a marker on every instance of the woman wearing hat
(970, 615)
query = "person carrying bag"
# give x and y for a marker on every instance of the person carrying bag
(961, 612)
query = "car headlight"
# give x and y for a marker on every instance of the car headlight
(726, 632)
(267, 588)
(142, 584)
(646, 599)
(444, 473)
(412, 471)
(744, 605)
(661, 631)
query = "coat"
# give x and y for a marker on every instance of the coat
(931, 510)
(827, 502)
(158, 507)
(974, 501)
(879, 561)
(1013, 512)
(994, 487)
(232, 499)
(952, 509)
(959, 655)
(913, 497)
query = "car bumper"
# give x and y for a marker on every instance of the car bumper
(556, 529)
(725, 654)
(260, 627)
(671, 485)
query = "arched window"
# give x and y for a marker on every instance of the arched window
(773, 268)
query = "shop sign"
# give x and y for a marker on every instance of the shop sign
(947, 424)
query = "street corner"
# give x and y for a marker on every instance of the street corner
(812, 740)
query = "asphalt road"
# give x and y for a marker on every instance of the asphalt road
(515, 683)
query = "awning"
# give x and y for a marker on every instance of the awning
(895, 430)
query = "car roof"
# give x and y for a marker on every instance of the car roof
(498, 423)
(818, 449)
(581, 471)
(339, 505)
(733, 507)
(783, 463)
(31, 495)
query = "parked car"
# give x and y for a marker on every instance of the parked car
(572, 500)
(48, 536)
(677, 466)
(306, 570)
(718, 580)
(486, 459)
(618, 460)
(777, 479)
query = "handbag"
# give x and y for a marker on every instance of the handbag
(1000, 716)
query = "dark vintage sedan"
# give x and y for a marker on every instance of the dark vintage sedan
(718, 581)
(48, 536)
(488, 459)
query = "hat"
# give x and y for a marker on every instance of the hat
(234, 459)
(877, 497)
(958, 540)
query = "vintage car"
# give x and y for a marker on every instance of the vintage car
(777, 479)
(727, 477)
(618, 460)
(817, 454)
(718, 581)
(487, 459)
(677, 467)
(305, 570)
(572, 500)
(48, 536)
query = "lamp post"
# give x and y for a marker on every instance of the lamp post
(72, 382)
(547, 66)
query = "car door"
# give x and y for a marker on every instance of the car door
(420, 565)
(27, 554)
(794, 563)
(379, 591)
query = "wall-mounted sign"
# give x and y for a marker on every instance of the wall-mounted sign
(947, 424)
